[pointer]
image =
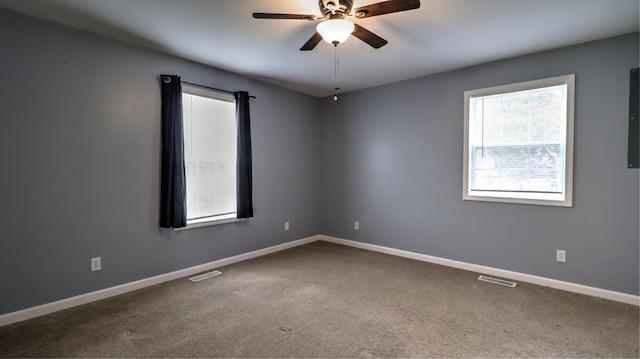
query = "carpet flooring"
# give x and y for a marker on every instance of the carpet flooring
(328, 300)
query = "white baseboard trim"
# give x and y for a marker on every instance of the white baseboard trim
(28, 313)
(542, 281)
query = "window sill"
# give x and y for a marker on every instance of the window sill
(211, 221)
(540, 199)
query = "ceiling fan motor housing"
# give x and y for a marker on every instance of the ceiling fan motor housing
(341, 8)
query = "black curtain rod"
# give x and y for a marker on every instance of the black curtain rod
(212, 88)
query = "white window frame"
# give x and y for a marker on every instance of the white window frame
(219, 219)
(564, 199)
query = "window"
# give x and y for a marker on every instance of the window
(210, 136)
(519, 143)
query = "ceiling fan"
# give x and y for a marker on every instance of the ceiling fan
(334, 27)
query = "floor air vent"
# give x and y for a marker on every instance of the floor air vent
(505, 283)
(205, 276)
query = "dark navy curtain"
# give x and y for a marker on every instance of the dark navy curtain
(173, 213)
(244, 181)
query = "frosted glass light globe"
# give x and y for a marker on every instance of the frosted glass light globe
(335, 31)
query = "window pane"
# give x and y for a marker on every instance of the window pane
(534, 168)
(210, 156)
(517, 140)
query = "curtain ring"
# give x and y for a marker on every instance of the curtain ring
(166, 79)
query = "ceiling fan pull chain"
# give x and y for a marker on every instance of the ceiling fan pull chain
(336, 72)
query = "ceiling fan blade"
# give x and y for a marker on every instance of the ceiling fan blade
(312, 42)
(266, 15)
(385, 7)
(369, 37)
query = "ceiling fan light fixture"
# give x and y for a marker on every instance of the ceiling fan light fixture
(335, 31)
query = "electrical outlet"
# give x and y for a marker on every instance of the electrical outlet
(96, 264)
(286, 226)
(356, 226)
(561, 255)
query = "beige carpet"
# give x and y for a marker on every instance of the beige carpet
(327, 300)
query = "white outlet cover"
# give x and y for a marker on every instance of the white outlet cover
(96, 264)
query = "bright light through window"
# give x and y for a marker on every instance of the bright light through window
(210, 154)
(519, 142)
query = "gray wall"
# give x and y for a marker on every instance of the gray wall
(393, 161)
(79, 148)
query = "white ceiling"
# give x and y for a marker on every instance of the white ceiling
(441, 35)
